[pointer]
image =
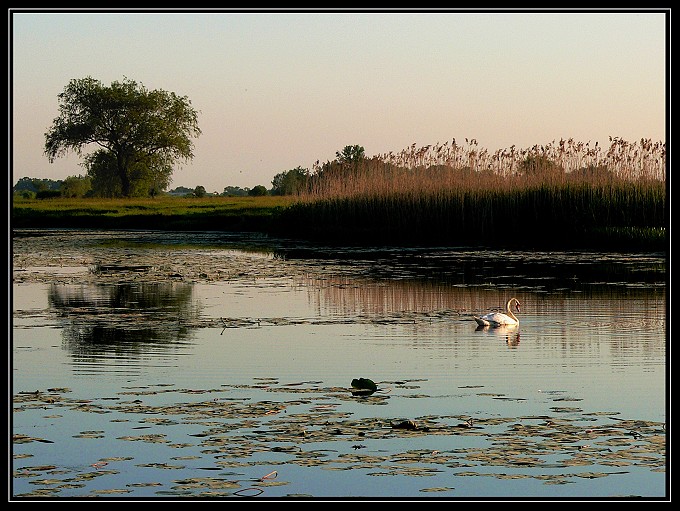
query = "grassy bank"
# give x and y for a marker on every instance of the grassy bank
(170, 213)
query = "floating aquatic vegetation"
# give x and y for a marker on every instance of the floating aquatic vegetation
(205, 482)
(40, 493)
(86, 476)
(366, 399)
(164, 466)
(90, 434)
(19, 438)
(245, 433)
(70, 486)
(152, 438)
(271, 483)
(46, 482)
(161, 421)
(565, 409)
(407, 471)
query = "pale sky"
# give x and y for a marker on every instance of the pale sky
(279, 90)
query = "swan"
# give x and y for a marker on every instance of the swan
(498, 318)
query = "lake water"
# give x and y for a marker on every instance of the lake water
(150, 365)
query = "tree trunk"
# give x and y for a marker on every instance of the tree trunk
(124, 177)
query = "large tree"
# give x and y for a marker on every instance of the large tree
(137, 134)
(290, 182)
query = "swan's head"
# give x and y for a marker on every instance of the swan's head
(517, 304)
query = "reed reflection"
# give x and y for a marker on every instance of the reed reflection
(565, 319)
(130, 319)
(349, 296)
(542, 271)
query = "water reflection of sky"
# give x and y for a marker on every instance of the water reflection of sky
(342, 328)
(399, 311)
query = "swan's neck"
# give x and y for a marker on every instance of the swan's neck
(509, 311)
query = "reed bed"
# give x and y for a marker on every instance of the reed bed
(630, 160)
(564, 194)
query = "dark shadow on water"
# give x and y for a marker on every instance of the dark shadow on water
(547, 271)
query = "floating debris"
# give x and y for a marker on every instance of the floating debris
(249, 492)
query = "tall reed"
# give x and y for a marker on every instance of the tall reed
(625, 159)
(557, 194)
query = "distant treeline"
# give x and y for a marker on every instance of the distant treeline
(79, 186)
(638, 160)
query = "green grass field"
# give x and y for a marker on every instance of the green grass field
(173, 213)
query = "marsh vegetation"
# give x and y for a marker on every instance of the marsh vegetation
(460, 194)
(565, 194)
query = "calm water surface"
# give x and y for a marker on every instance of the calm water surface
(234, 387)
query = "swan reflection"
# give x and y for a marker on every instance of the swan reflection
(508, 333)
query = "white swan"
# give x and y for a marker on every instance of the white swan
(498, 318)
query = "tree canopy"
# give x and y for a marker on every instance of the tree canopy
(290, 182)
(351, 155)
(138, 134)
